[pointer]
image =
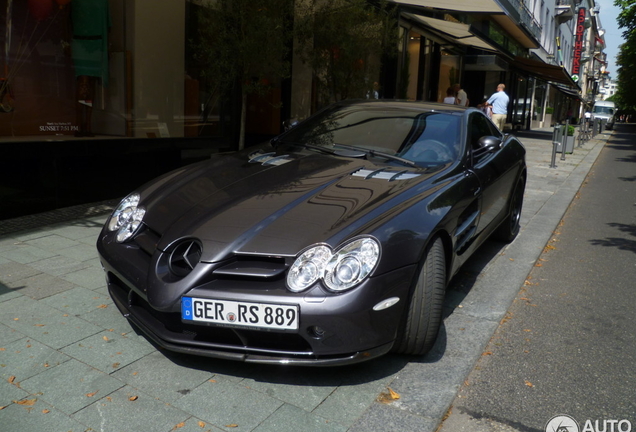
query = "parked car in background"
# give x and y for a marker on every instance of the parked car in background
(605, 110)
(331, 244)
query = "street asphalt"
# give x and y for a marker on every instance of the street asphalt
(567, 346)
(70, 362)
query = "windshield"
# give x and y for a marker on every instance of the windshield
(422, 137)
(603, 110)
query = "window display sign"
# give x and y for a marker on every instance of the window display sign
(36, 80)
(100, 68)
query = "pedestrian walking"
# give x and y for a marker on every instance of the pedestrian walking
(499, 103)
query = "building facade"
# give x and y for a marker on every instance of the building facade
(608, 90)
(92, 86)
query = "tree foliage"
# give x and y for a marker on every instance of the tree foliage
(247, 44)
(627, 17)
(244, 44)
(626, 59)
(344, 43)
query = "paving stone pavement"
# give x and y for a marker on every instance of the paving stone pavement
(70, 362)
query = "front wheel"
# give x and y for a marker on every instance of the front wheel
(419, 330)
(510, 227)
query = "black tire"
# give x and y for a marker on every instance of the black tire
(510, 227)
(419, 330)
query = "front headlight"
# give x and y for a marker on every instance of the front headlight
(127, 217)
(308, 268)
(345, 268)
(352, 263)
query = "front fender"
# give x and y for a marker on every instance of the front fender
(404, 238)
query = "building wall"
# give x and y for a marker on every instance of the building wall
(156, 38)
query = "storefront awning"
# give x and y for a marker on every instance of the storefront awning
(544, 71)
(527, 38)
(568, 91)
(458, 32)
(475, 6)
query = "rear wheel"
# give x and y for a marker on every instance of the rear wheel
(509, 228)
(424, 315)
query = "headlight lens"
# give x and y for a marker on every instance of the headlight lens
(126, 218)
(352, 263)
(345, 268)
(308, 268)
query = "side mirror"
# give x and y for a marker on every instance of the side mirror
(490, 143)
(288, 124)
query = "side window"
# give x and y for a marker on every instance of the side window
(493, 129)
(479, 126)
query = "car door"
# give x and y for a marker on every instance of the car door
(490, 167)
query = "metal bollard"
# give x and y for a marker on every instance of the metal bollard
(564, 139)
(555, 144)
(597, 127)
(584, 132)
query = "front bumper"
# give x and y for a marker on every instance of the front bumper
(185, 342)
(353, 331)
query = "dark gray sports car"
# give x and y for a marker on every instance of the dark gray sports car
(331, 244)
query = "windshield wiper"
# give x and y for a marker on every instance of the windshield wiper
(375, 153)
(318, 148)
(307, 146)
(350, 152)
(359, 151)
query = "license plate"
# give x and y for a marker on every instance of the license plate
(227, 312)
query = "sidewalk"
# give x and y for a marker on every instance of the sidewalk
(70, 362)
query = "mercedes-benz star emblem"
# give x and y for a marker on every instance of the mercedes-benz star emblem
(184, 258)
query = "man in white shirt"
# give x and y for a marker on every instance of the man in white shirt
(499, 103)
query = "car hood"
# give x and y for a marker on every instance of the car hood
(273, 204)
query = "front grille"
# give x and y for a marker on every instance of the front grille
(252, 268)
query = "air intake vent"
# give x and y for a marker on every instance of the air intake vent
(384, 174)
(268, 158)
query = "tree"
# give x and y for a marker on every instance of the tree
(244, 45)
(626, 59)
(346, 40)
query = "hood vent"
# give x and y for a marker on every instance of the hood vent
(268, 158)
(385, 174)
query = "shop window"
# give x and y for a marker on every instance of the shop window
(449, 73)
